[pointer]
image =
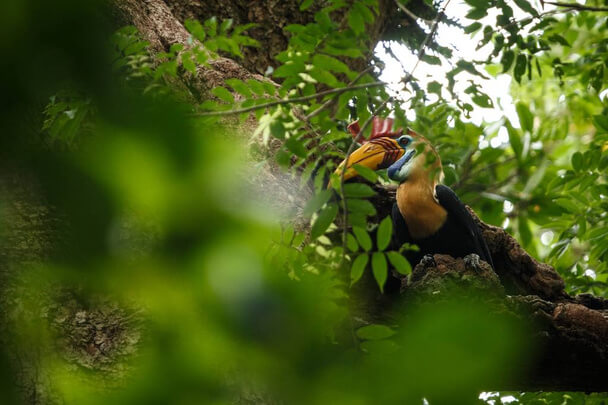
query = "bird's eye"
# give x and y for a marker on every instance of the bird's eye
(404, 140)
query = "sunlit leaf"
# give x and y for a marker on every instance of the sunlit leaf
(363, 238)
(399, 262)
(351, 243)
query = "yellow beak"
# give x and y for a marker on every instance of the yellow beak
(376, 154)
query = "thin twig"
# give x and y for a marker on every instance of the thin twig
(576, 6)
(290, 100)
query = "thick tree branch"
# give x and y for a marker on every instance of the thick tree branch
(570, 333)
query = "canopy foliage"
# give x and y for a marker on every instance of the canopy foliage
(205, 212)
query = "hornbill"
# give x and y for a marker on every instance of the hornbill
(426, 212)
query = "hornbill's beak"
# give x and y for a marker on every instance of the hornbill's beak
(376, 154)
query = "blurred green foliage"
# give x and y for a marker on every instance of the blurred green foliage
(239, 301)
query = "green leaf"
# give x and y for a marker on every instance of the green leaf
(356, 21)
(367, 173)
(316, 202)
(476, 13)
(520, 67)
(239, 86)
(188, 63)
(351, 242)
(431, 60)
(290, 68)
(324, 220)
(434, 87)
(451, 176)
(277, 129)
(515, 141)
(306, 5)
(526, 119)
(359, 220)
(556, 38)
(296, 147)
(526, 6)
(567, 204)
(361, 206)
(351, 52)
(508, 57)
(330, 63)
(211, 26)
(525, 233)
(374, 332)
(483, 4)
(385, 231)
(577, 161)
(176, 48)
(601, 122)
(358, 190)
(399, 262)
(472, 28)
(358, 267)
(363, 237)
(365, 12)
(323, 76)
(223, 94)
(482, 100)
(269, 88)
(256, 87)
(380, 269)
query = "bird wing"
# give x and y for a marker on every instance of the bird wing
(456, 209)
(401, 234)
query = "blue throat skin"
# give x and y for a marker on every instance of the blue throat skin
(394, 168)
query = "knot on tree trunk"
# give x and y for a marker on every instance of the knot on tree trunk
(447, 275)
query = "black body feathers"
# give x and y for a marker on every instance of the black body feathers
(458, 236)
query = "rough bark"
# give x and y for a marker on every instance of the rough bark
(94, 333)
